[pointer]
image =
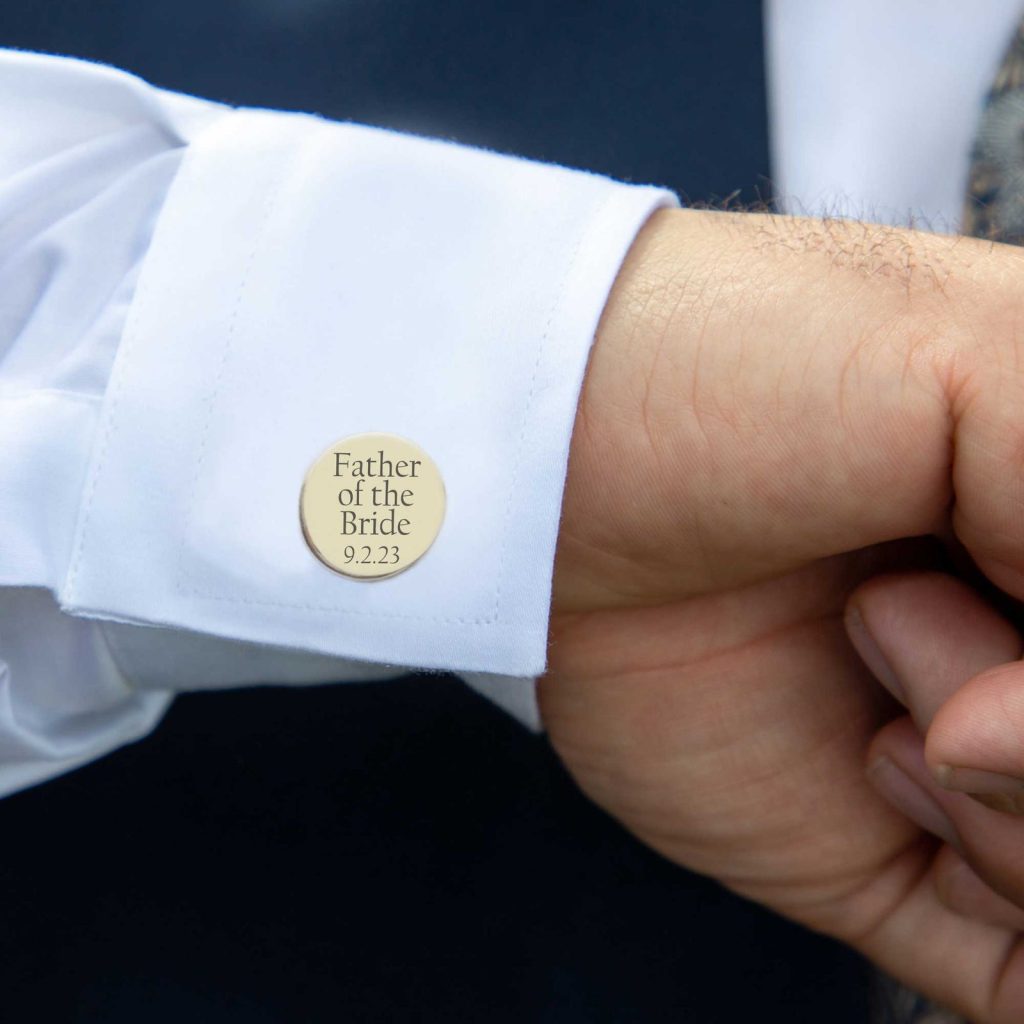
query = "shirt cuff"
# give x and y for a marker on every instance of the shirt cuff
(308, 280)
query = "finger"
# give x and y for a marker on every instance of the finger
(961, 947)
(924, 635)
(990, 842)
(949, 934)
(976, 741)
(895, 766)
(961, 890)
(951, 659)
(969, 965)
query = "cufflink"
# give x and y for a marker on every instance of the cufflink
(371, 505)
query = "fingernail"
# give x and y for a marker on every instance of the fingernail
(1007, 803)
(913, 801)
(870, 653)
(993, 789)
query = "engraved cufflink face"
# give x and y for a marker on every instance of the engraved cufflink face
(371, 505)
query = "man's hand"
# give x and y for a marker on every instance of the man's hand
(773, 410)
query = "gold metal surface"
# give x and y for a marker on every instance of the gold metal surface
(371, 505)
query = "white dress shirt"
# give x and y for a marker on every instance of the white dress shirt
(197, 300)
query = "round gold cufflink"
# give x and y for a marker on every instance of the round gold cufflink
(371, 505)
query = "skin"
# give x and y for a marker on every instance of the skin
(776, 411)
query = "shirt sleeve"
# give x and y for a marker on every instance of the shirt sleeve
(200, 299)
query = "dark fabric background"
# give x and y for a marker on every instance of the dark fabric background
(399, 852)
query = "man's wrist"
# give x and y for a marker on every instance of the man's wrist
(751, 372)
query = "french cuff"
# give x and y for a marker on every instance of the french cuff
(308, 280)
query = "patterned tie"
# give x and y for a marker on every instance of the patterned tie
(994, 207)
